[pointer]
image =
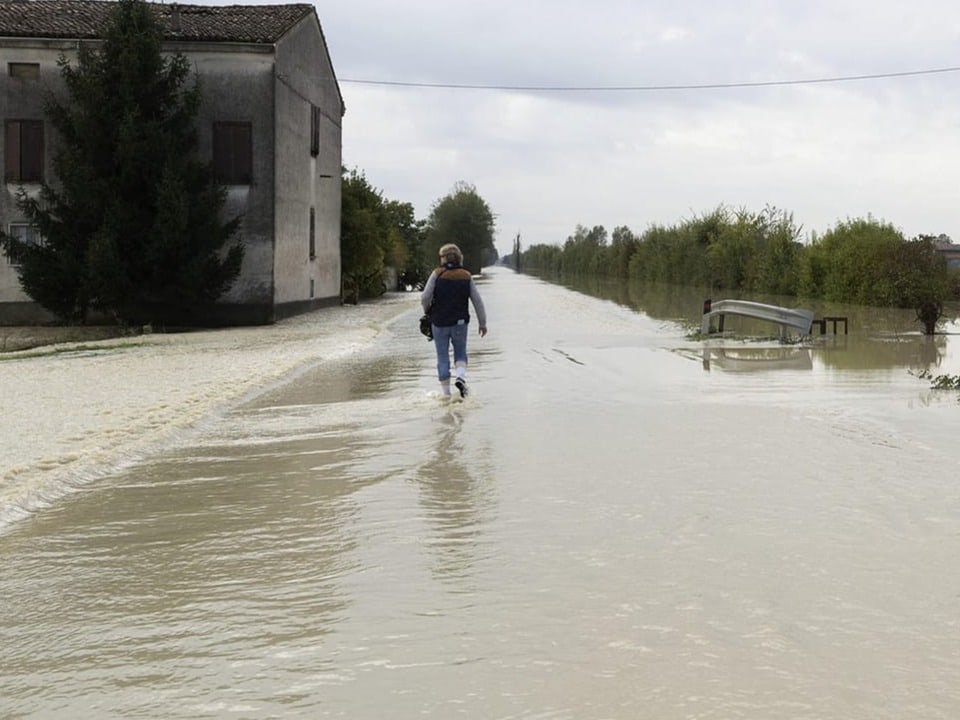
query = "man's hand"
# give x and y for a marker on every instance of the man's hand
(483, 331)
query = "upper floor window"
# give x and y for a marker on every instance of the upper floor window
(313, 233)
(314, 130)
(23, 70)
(233, 152)
(24, 232)
(23, 150)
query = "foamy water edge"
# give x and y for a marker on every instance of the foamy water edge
(73, 417)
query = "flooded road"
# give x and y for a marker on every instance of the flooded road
(620, 522)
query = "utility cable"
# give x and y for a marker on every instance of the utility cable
(649, 88)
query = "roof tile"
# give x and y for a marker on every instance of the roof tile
(84, 19)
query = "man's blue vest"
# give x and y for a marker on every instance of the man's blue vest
(451, 296)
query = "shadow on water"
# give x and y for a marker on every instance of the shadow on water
(876, 338)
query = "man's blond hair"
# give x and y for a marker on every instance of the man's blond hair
(451, 253)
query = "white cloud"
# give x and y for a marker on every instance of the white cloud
(546, 161)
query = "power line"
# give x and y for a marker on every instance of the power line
(649, 88)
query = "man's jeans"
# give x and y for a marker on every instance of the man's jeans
(442, 338)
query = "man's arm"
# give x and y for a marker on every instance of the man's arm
(478, 307)
(426, 297)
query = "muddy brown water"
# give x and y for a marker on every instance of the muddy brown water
(621, 521)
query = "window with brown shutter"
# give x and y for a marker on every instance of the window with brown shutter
(233, 152)
(23, 151)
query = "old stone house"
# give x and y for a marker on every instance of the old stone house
(270, 123)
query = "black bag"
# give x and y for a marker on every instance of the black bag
(426, 327)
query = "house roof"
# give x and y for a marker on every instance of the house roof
(84, 19)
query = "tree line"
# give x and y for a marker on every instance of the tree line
(133, 226)
(378, 234)
(862, 261)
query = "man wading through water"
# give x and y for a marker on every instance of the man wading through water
(444, 299)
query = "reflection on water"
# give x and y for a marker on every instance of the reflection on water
(746, 359)
(918, 351)
(876, 338)
(683, 304)
(456, 497)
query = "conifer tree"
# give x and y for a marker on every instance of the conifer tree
(131, 223)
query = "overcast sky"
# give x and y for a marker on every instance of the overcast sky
(547, 160)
